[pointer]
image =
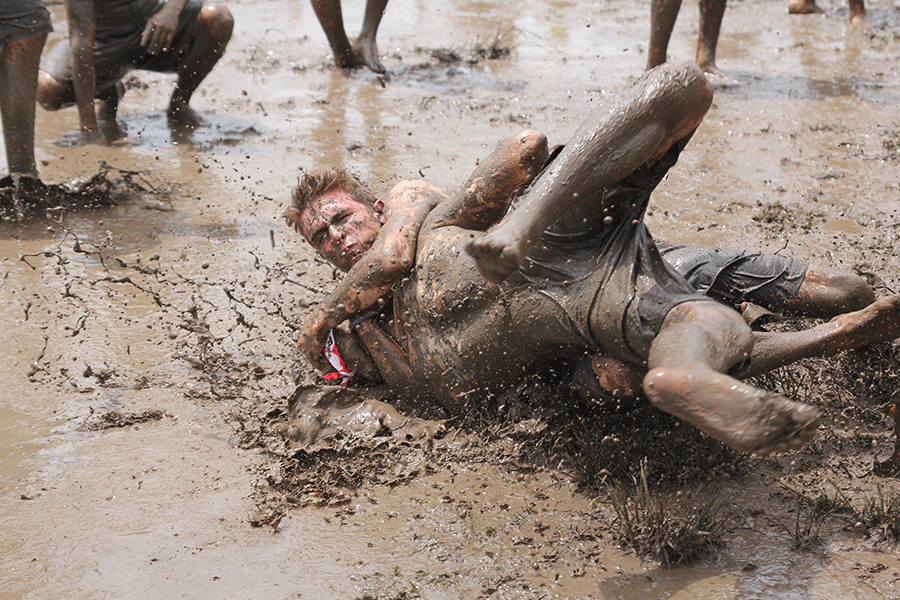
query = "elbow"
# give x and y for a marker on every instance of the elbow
(394, 263)
(534, 150)
(532, 142)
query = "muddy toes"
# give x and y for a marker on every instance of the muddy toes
(494, 263)
(791, 426)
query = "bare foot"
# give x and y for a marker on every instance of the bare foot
(107, 113)
(349, 60)
(182, 115)
(111, 131)
(496, 255)
(746, 418)
(718, 78)
(878, 322)
(858, 20)
(367, 50)
(803, 7)
(25, 187)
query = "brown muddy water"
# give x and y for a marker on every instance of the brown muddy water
(185, 301)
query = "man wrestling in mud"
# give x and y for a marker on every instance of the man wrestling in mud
(571, 270)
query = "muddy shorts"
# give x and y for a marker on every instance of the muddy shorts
(21, 19)
(118, 49)
(732, 277)
(600, 266)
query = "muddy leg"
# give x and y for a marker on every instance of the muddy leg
(878, 322)
(636, 127)
(332, 20)
(212, 31)
(744, 417)
(826, 293)
(803, 7)
(698, 342)
(18, 75)
(663, 14)
(857, 12)
(711, 13)
(365, 45)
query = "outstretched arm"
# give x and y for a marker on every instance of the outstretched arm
(82, 30)
(387, 261)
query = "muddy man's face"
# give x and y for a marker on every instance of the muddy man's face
(339, 227)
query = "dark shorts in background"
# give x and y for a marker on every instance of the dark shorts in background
(732, 277)
(118, 50)
(21, 19)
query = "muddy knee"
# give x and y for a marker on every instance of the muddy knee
(826, 292)
(51, 94)
(216, 21)
(662, 383)
(853, 293)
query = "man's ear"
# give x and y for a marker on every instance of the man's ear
(378, 207)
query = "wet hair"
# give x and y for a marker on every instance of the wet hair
(313, 184)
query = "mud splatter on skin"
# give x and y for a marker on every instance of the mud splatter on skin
(492, 521)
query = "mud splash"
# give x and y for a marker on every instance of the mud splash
(190, 308)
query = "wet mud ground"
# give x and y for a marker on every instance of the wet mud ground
(147, 450)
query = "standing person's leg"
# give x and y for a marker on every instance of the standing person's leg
(636, 127)
(711, 13)
(697, 344)
(803, 7)
(332, 20)
(663, 14)
(365, 45)
(857, 12)
(19, 61)
(212, 32)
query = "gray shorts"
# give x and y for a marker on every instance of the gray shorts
(118, 51)
(21, 19)
(732, 277)
(600, 266)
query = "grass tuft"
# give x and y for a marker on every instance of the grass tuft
(668, 530)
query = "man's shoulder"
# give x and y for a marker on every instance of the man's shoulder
(412, 193)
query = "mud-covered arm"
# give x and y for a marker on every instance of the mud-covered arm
(82, 31)
(389, 358)
(162, 26)
(372, 354)
(497, 180)
(388, 260)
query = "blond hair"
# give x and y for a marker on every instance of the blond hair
(313, 184)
